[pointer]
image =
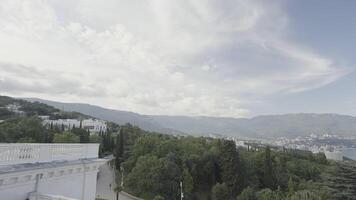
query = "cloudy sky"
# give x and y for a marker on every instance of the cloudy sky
(232, 58)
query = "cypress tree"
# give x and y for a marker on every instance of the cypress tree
(119, 151)
(268, 176)
(231, 172)
(104, 143)
(291, 188)
(107, 141)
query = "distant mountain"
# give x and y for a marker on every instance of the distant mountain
(269, 126)
(117, 116)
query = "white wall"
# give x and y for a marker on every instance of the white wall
(93, 125)
(64, 181)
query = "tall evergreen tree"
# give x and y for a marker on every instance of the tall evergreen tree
(268, 175)
(107, 141)
(119, 150)
(291, 187)
(231, 172)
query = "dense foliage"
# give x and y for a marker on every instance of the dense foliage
(155, 164)
(24, 129)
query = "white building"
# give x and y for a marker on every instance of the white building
(15, 108)
(92, 125)
(48, 171)
(67, 124)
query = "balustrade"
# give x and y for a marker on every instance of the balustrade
(31, 153)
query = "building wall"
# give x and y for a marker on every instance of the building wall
(93, 125)
(64, 181)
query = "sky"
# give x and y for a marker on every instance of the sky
(231, 58)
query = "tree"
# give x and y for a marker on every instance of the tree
(291, 187)
(231, 171)
(280, 171)
(268, 194)
(119, 151)
(107, 141)
(26, 140)
(84, 135)
(247, 194)
(220, 192)
(153, 176)
(321, 158)
(268, 174)
(187, 182)
(5, 113)
(158, 197)
(66, 137)
(95, 139)
(304, 195)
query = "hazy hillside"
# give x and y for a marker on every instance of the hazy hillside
(288, 125)
(117, 116)
(20, 107)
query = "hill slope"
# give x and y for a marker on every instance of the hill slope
(288, 125)
(117, 116)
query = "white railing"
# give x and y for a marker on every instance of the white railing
(36, 196)
(18, 153)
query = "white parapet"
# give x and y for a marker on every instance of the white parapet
(49, 171)
(19, 153)
(36, 196)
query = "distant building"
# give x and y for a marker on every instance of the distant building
(94, 126)
(44, 117)
(49, 171)
(15, 108)
(66, 124)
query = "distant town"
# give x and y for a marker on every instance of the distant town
(333, 146)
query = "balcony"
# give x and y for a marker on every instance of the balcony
(19, 153)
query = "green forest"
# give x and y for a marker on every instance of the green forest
(154, 165)
(216, 169)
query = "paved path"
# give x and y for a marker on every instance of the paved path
(103, 189)
(105, 179)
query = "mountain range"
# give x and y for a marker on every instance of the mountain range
(267, 126)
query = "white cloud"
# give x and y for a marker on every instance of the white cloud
(155, 57)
